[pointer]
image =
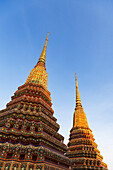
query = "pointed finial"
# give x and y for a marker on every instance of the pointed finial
(43, 54)
(76, 80)
(38, 74)
(78, 100)
(79, 119)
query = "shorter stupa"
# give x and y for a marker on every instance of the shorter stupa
(82, 150)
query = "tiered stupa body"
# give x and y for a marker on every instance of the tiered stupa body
(82, 150)
(29, 138)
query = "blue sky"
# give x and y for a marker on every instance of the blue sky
(80, 40)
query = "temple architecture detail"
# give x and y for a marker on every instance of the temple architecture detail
(29, 138)
(82, 149)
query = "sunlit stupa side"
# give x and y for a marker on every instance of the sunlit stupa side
(82, 150)
(29, 138)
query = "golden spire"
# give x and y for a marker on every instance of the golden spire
(42, 58)
(78, 100)
(80, 120)
(38, 75)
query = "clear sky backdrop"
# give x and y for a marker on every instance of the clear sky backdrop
(80, 40)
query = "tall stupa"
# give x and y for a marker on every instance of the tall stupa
(29, 138)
